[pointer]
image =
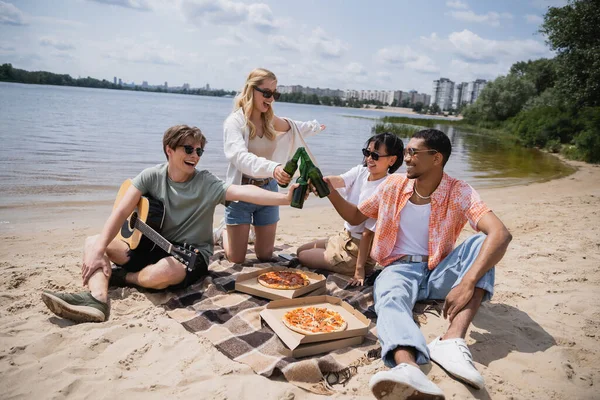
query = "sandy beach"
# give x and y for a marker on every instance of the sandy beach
(539, 338)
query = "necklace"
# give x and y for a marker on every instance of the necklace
(422, 197)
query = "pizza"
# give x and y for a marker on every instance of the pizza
(314, 320)
(283, 280)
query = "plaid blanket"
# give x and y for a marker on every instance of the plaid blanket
(232, 323)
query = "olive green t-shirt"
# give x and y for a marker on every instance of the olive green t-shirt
(189, 206)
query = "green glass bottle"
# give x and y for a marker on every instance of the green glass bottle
(292, 165)
(315, 176)
(299, 193)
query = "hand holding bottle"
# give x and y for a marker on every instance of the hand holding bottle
(282, 177)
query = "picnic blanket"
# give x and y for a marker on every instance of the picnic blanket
(231, 321)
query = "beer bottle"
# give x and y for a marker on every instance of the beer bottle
(316, 178)
(292, 165)
(299, 193)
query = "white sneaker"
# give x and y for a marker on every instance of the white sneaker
(454, 356)
(218, 233)
(251, 235)
(404, 381)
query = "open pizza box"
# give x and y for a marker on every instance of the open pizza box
(299, 345)
(248, 283)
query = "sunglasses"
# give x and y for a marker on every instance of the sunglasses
(374, 156)
(267, 93)
(190, 149)
(411, 152)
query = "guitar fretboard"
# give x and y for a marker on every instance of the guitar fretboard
(154, 236)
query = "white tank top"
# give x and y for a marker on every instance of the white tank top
(413, 235)
(262, 147)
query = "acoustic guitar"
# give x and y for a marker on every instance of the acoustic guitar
(142, 227)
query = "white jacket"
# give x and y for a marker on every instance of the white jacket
(242, 162)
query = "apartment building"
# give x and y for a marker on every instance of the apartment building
(443, 93)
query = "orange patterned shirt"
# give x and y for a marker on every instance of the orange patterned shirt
(453, 203)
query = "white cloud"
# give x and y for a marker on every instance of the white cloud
(141, 5)
(11, 15)
(275, 61)
(284, 43)
(48, 41)
(406, 57)
(228, 12)
(492, 18)
(534, 19)
(233, 40)
(472, 48)
(544, 4)
(457, 4)
(56, 21)
(240, 62)
(432, 42)
(150, 52)
(355, 68)
(326, 46)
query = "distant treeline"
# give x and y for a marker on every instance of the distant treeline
(10, 74)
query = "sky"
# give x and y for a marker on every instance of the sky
(339, 44)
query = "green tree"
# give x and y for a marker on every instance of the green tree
(418, 107)
(501, 99)
(572, 32)
(542, 73)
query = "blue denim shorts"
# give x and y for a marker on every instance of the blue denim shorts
(241, 213)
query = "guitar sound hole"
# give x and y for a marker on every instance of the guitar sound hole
(132, 220)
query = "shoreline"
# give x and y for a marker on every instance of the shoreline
(537, 338)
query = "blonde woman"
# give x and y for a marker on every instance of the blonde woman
(257, 144)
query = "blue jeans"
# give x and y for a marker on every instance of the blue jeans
(401, 285)
(241, 213)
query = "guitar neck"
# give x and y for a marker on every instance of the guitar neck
(154, 236)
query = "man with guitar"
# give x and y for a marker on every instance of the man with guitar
(189, 197)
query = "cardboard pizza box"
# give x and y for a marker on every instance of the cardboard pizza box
(248, 283)
(310, 349)
(358, 324)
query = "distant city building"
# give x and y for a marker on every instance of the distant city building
(207, 87)
(115, 80)
(467, 92)
(384, 96)
(310, 91)
(443, 93)
(145, 84)
(186, 86)
(478, 86)
(120, 82)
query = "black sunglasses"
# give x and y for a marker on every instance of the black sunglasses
(411, 152)
(267, 93)
(374, 156)
(190, 149)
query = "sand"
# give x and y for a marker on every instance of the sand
(538, 338)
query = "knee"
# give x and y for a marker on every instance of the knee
(164, 278)
(90, 241)
(235, 257)
(397, 299)
(264, 255)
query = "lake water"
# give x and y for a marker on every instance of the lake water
(65, 145)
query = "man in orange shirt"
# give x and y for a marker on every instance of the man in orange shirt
(419, 218)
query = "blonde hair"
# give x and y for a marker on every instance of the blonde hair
(245, 101)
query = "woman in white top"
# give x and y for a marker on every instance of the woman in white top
(348, 252)
(257, 143)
